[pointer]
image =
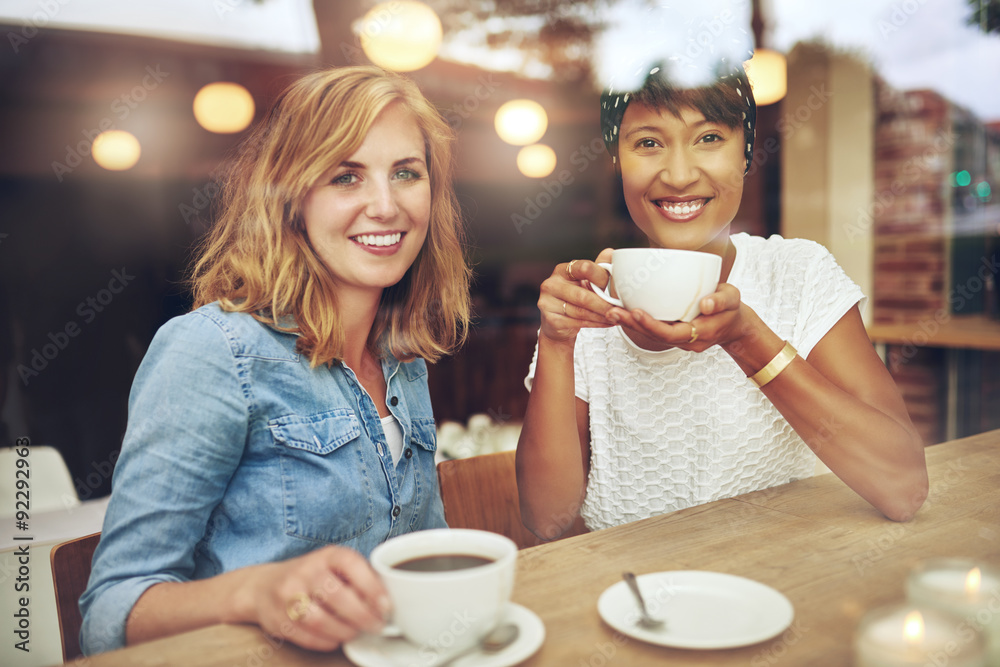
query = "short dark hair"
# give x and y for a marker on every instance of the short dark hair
(719, 103)
(728, 100)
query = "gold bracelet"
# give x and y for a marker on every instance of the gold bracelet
(775, 366)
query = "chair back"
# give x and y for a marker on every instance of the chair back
(70, 571)
(481, 492)
(51, 483)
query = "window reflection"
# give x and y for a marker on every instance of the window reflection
(886, 148)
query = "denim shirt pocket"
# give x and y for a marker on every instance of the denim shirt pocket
(424, 433)
(325, 486)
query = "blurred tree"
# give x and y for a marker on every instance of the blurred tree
(554, 34)
(985, 14)
(556, 38)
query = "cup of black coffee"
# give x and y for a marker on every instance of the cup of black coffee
(449, 587)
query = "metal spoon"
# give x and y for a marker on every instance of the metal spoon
(645, 621)
(496, 641)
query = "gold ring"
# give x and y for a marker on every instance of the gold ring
(564, 310)
(569, 269)
(694, 334)
(298, 606)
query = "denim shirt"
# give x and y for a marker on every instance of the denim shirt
(238, 453)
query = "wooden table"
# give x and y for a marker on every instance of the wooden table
(953, 333)
(814, 540)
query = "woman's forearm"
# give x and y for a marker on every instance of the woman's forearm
(882, 460)
(550, 467)
(170, 608)
(864, 436)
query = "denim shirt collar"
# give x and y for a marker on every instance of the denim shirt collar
(286, 324)
(283, 323)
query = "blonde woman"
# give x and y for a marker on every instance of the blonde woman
(283, 429)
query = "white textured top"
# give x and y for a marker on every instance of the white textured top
(673, 429)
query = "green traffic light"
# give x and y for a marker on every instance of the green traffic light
(983, 189)
(963, 178)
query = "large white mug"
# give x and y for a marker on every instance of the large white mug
(666, 283)
(447, 609)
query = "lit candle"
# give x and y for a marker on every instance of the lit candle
(964, 588)
(914, 636)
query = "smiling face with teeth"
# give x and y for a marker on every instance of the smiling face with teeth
(367, 218)
(682, 177)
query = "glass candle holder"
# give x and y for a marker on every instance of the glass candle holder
(965, 588)
(907, 635)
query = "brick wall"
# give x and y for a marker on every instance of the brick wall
(909, 217)
(919, 136)
(912, 163)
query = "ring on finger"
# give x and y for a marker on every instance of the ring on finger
(298, 606)
(694, 334)
(569, 269)
(564, 310)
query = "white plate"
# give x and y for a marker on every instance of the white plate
(704, 610)
(376, 651)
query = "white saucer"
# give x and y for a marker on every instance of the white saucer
(377, 651)
(702, 610)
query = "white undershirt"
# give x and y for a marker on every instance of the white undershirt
(393, 437)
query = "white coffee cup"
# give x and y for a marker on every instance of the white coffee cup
(447, 609)
(666, 283)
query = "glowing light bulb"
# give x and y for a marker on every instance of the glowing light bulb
(224, 107)
(116, 150)
(403, 35)
(536, 161)
(768, 75)
(521, 122)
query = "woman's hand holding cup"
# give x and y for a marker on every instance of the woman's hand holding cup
(674, 298)
(722, 321)
(567, 304)
(319, 600)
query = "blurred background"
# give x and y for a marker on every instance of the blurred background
(881, 140)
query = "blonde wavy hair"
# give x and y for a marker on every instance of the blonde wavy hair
(258, 259)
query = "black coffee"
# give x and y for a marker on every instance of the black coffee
(442, 563)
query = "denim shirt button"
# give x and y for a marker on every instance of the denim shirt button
(408, 453)
(396, 511)
(394, 400)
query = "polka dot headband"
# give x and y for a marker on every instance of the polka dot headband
(614, 103)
